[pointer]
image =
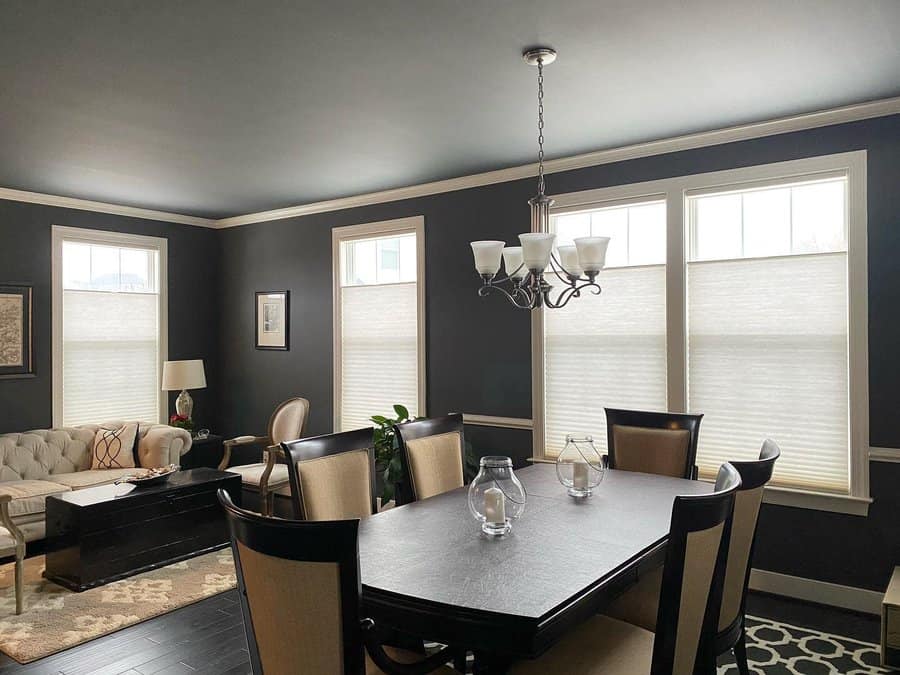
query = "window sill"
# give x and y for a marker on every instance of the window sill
(817, 501)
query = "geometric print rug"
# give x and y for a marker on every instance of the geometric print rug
(55, 618)
(775, 648)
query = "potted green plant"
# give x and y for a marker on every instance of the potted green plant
(387, 459)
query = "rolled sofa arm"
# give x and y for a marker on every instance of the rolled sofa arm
(163, 445)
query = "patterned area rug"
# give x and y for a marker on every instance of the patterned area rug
(775, 648)
(54, 618)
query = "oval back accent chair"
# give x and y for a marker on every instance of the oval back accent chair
(300, 598)
(692, 581)
(432, 454)
(260, 481)
(663, 443)
(332, 477)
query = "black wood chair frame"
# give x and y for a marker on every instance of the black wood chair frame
(655, 420)
(317, 447)
(422, 428)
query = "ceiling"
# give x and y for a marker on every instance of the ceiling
(223, 107)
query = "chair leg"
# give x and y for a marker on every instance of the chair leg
(459, 661)
(740, 653)
(20, 576)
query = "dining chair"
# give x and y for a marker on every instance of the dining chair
(663, 443)
(299, 590)
(332, 477)
(638, 605)
(261, 481)
(431, 457)
(692, 580)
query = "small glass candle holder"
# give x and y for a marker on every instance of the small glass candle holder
(580, 467)
(496, 496)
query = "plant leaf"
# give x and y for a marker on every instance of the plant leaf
(402, 411)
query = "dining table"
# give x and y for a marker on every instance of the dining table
(428, 571)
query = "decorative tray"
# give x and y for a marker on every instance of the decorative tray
(150, 476)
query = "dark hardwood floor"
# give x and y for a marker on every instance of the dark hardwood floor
(207, 638)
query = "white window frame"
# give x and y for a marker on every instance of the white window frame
(412, 225)
(61, 233)
(675, 191)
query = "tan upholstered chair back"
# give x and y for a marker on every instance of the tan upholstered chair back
(693, 575)
(288, 422)
(653, 442)
(747, 502)
(337, 487)
(435, 464)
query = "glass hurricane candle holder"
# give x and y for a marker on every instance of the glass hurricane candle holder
(496, 496)
(580, 467)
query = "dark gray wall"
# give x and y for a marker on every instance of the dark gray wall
(478, 351)
(25, 235)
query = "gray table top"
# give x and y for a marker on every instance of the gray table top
(433, 551)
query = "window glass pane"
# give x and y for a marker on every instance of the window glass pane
(388, 260)
(361, 259)
(767, 223)
(408, 258)
(646, 234)
(819, 216)
(136, 265)
(717, 227)
(76, 265)
(612, 223)
(104, 268)
(570, 226)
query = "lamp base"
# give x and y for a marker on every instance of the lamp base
(184, 404)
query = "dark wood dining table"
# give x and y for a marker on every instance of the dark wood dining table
(428, 571)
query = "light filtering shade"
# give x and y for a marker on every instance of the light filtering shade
(512, 261)
(536, 248)
(592, 252)
(487, 256)
(568, 258)
(178, 375)
(768, 357)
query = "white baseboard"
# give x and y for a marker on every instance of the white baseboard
(811, 590)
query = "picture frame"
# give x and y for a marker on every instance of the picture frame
(273, 320)
(16, 338)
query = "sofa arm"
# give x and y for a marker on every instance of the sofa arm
(163, 445)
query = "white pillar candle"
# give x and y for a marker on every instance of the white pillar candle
(494, 506)
(536, 247)
(580, 477)
(512, 261)
(487, 256)
(568, 258)
(592, 252)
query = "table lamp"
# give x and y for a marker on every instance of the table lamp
(183, 375)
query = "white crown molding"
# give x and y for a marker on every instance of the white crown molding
(813, 590)
(822, 118)
(102, 207)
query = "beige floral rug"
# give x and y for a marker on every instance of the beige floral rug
(54, 618)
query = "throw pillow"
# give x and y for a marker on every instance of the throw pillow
(113, 448)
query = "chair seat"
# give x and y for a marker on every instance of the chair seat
(640, 603)
(402, 656)
(599, 646)
(251, 475)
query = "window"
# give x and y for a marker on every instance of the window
(109, 326)
(739, 294)
(378, 320)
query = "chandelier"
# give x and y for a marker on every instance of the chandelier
(575, 266)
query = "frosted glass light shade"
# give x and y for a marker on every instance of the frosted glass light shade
(592, 252)
(487, 256)
(536, 247)
(183, 375)
(512, 261)
(568, 258)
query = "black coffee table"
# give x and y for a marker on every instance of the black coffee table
(101, 534)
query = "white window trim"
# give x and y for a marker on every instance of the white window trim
(675, 190)
(414, 224)
(62, 233)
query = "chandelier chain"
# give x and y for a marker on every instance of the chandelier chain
(540, 65)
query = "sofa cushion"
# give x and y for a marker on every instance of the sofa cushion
(34, 455)
(28, 496)
(91, 477)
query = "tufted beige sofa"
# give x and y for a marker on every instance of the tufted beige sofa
(37, 464)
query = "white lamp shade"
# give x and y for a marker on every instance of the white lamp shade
(592, 252)
(568, 258)
(179, 375)
(512, 261)
(536, 247)
(487, 256)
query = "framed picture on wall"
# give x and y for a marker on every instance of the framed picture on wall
(15, 332)
(273, 320)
